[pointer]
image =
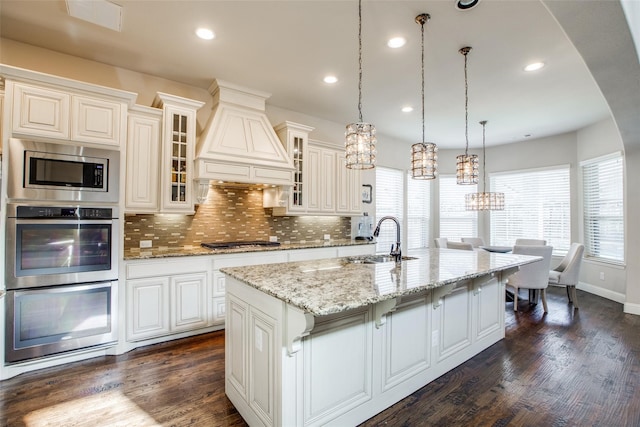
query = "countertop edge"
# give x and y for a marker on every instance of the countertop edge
(188, 251)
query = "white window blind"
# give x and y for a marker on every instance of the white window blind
(455, 221)
(537, 206)
(418, 213)
(602, 188)
(389, 196)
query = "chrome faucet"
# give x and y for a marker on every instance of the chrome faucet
(395, 249)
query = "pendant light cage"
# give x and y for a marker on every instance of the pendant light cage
(424, 157)
(360, 137)
(466, 164)
(484, 201)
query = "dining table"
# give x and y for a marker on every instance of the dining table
(500, 249)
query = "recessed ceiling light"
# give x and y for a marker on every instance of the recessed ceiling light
(330, 79)
(396, 42)
(407, 109)
(466, 4)
(205, 33)
(534, 66)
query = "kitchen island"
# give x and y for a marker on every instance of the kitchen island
(335, 341)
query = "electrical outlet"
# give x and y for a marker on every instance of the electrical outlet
(602, 275)
(145, 243)
(273, 238)
(327, 237)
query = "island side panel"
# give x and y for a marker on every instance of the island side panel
(350, 367)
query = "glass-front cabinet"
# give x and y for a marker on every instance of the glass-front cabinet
(178, 146)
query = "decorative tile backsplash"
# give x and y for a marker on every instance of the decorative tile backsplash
(230, 214)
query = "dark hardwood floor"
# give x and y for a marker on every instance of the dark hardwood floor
(566, 368)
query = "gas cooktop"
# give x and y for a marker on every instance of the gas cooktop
(233, 245)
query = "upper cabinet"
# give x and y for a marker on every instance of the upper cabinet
(177, 148)
(142, 182)
(61, 113)
(322, 183)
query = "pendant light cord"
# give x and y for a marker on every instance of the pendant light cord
(465, 51)
(422, 45)
(360, 60)
(484, 157)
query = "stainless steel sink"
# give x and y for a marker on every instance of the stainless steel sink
(376, 259)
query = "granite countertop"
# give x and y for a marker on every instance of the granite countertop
(168, 252)
(327, 286)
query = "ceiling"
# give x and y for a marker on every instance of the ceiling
(286, 48)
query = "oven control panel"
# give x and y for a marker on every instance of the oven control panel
(60, 212)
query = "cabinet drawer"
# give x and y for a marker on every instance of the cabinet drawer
(167, 267)
(253, 258)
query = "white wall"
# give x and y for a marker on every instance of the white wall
(594, 141)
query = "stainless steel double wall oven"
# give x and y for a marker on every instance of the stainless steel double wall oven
(62, 249)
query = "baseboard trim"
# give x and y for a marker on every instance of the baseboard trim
(601, 292)
(631, 308)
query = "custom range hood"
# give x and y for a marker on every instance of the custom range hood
(239, 144)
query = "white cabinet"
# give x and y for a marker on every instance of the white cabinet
(41, 111)
(178, 146)
(236, 260)
(322, 183)
(147, 308)
(143, 158)
(95, 120)
(348, 188)
(188, 301)
(46, 112)
(166, 296)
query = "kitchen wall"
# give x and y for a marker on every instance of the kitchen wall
(229, 214)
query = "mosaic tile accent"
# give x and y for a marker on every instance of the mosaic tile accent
(230, 214)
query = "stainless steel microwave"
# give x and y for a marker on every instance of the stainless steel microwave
(62, 172)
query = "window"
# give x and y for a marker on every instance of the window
(389, 201)
(418, 213)
(455, 221)
(602, 190)
(537, 206)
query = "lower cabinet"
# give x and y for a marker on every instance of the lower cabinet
(166, 297)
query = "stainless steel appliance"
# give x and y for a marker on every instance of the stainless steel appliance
(54, 245)
(45, 321)
(61, 277)
(62, 172)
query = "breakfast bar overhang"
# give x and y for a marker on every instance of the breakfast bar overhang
(335, 341)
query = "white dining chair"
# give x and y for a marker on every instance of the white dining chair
(460, 245)
(530, 242)
(533, 276)
(475, 241)
(440, 242)
(567, 273)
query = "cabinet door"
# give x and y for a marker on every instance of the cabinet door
(348, 194)
(143, 155)
(147, 308)
(40, 112)
(490, 303)
(313, 178)
(1, 118)
(178, 140)
(455, 321)
(95, 120)
(188, 301)
(327, 181)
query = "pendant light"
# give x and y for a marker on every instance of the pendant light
(466, 164)
(484, 201)
(360, 142)
(423, 154)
